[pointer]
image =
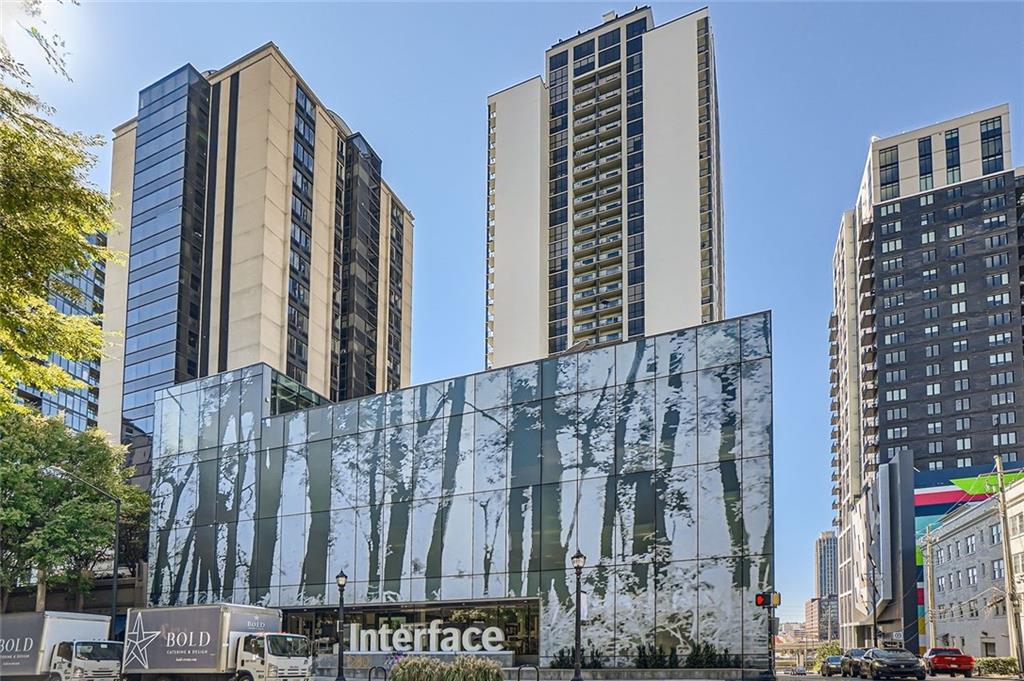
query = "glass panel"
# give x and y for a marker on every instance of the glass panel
(320, 423)
(675, 424)
(757, 510)
(596, 368)
(676, 605)
(524, 381)
(371, 412)
(756, 391)
(491, 389)
(635, 361)
(756, 336)
(676, 352)
(490, 529)
(346, 417)
(720, 516)
(718, 344)
(634, 431)
(676, 505)
(718, 413)
(596, 431)
(459, 393)
(347, 484)
(294, 481)
(558, 375)
(230, 406)
(558, 438)
(490, 444)
(720, 604)
(525, 436)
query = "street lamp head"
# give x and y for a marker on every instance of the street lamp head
(55, 472)
(341, 579)
(579, 560)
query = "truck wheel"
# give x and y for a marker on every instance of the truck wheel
(55, 677)
(969, 674)
(244, 677)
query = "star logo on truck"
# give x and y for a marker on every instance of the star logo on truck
(136, 640)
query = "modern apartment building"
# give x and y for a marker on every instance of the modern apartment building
(259, 229)
(604, 209)
(78, 407)
(925, 359)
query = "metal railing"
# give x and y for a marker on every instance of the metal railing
(371, 670)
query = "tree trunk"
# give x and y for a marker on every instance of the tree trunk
(79, 599)
(4, 595)
(40, 590)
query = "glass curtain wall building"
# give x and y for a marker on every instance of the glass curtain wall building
(653, 457)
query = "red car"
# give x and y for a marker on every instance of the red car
(950, 661)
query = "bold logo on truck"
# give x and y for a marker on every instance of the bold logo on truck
(17, 645)
(136, 640)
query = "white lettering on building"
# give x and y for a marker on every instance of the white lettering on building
(433, 638)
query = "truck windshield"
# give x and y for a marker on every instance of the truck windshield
(288, 646)
(98, 651)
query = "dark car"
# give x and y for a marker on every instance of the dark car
(831, 665)
(891, 663)
(850, 665)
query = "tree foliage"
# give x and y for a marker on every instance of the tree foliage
(53, 526)
(826, 649)
(53, 223)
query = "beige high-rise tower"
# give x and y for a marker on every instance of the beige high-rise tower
(604, 209)
(259, 229)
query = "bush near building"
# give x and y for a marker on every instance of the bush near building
(995, 666)
(464, 668)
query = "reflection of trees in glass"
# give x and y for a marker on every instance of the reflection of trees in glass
(449, 467)
(375, 498)
(177, 514)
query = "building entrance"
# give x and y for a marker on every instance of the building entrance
(519, 620)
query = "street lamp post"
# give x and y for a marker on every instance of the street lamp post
(578, 561)
(342, 580)
(58, 472)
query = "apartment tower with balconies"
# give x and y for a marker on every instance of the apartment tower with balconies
(604, 210)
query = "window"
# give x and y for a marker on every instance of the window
(889, 228)
(1016, 528)
(1001, 279)
(954, 212)
(894, 338)
(964, 462)
(1004, 418)
(896, 414)
(963, 423)
(896, 395)
(996, 536)
(959, 365)
(1000, 358)
(896, 376)
(890, 283)
(958, 288)
(931, 255)
(958, 307)
(892, 245)
(889, 173)
(927, 219)
(956, 250)
(969, 546)
(1001, 439)
(955, 231)
(934, 427)
(962, 404)
(991, 145)
(889, 209)
(933, 389)
(993, 203)
(998, 571)
(931, 312)
(896, 433)
(959, 326)
(931, 331)
(931, 370)
(929, 294)
(960, 345)
(999, 318)
(935, 447)
(894, 319)
(963, 444)
(892, 301)
(957, 268)
(999, 399)
(935, 466)
(933, 408)
(928, 237)
(997, 260)
(997, 339)
(961, 384)
(931, 350)
(997, 299)
(930, 275)
(1001, 378)
(997, 240)
(994, 222)
(993, 183)
(896, 357)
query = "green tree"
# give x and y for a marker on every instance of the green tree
(825, 650)
(56, 527)
(53, 224)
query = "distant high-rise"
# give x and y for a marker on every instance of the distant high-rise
(826, 566)
(259, 229)
(604, 209)
(926, 354)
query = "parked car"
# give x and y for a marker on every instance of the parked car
(850, 665)
(950, 661)
(891, 663)
(831, 665)
(799, 671)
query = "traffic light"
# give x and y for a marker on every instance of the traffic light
(768, 599)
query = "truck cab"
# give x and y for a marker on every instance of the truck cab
(99, 660)
(285, 657)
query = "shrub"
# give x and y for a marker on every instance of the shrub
(472, 668)
(649, 656)
(990, 666)
(706, 656)
(417, 668)
(591, 658)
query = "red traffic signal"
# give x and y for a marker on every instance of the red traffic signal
(762, 600)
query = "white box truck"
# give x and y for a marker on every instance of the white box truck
(58, 646)
(212, 642)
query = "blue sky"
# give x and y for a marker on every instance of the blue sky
(802, 86)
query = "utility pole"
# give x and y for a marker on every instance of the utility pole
(929, 584)
(1009, 582)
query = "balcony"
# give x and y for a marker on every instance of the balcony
(612, 95)
(584, 294)
(609, 321)
(609, 190)
(584, 263)
(584, 247)
(865, 265)
(867, 300)
(609, 129)
(609, 82)
(586, 104)
(613, 271)
(583, 168)
(610, 238)
(607, 207)
(586, 326)
(610, 256)
(606, 114)
(609, 223)
(579, 216)
(583, 135)
(612, 142)
(585, 151)
(867, 283)
(585, 199)
(584, 278)
(583, 89)
(585, 182)
(584, 231)
(613, 175)
(609, 159)
(584, 121)
(585, 311)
